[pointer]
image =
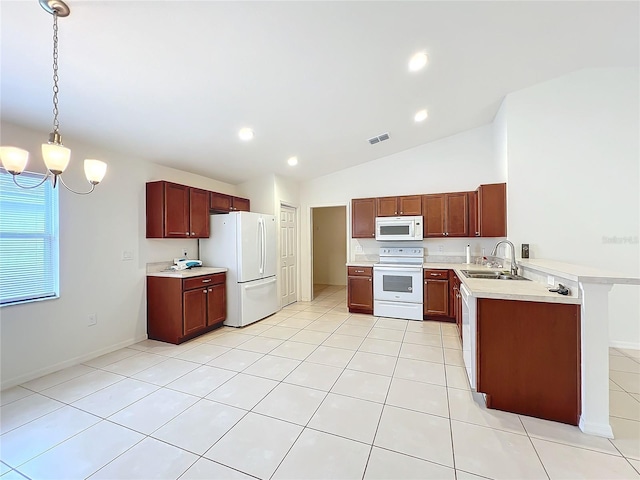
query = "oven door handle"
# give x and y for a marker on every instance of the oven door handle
(396, 269)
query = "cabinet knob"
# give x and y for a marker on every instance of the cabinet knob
(369, 279)
(193, 233)
(186, 233)
(204, 291)
(401, 213)
(211, 290)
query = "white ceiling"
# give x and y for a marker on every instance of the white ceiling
(173, 81)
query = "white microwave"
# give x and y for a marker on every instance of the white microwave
(399, 228)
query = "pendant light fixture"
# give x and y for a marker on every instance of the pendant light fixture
(55, 155)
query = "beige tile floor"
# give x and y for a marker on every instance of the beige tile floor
(311, 392)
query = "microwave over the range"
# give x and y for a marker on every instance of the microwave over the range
(399, 228)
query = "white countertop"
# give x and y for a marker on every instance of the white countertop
(523, 290)
(191, 272)
(579, 273)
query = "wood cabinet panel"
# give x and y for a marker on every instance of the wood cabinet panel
(491, 216)
(387, 206)
(217, 305)
(433, 213)
(410, 205)
(198, 213)
(528, 358)
(360, 290)
(456, 214)
(363, 218)
(176, 211)
(436, 298)
(239, 204)
(180, 309)
(194, 303)
(219, 202)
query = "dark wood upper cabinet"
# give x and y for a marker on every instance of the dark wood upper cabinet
(363, 218)
(446, 214)
(491, 210)
(222, 203)
(397, 206)
(176, 211)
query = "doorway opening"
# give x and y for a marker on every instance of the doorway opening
(329, 248)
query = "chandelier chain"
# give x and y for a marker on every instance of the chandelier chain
(56, 122)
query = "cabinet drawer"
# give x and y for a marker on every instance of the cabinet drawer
(204, 280)
(436, 274)
(360, 271)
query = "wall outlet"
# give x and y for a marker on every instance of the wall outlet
(525, 250)
(441, 248)
(185, 254)
(358, 248)
(127, 255)
(92, 319)
(550, 280)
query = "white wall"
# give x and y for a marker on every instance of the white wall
(330, 246)
(574, 178)
(42, 337)
(457, 163)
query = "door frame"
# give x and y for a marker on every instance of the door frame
(311, 234)
(297, 242)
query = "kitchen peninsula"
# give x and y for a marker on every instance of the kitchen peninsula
(587, 302)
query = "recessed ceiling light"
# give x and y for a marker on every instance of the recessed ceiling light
(417, 62)
(420, 116)
(245, 134)
(292, 161)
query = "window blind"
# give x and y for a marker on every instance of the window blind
(28, 239)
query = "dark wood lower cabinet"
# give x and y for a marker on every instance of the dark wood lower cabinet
(528, 358)
(360, 289)
(179, 309)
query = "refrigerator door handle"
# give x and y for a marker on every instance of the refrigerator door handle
(261, 245)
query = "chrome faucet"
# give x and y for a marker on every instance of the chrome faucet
(514, 265)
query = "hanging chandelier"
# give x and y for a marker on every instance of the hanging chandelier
(55, 155)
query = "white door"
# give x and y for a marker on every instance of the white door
(288, 255)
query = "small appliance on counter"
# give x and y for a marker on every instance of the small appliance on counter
(184, 264)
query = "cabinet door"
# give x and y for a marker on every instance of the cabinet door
(387, 206)
(217, 304)
(410, 205)
(194, 304)
(433, 212)
(457, 214)
(492, 210)
(436, 297)
(220, 202)
(176, 210)
(360, 294)
(473, 214)
(199, 213)
(240, 204)
(363, 218)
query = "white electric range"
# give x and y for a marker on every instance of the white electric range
(397, 283)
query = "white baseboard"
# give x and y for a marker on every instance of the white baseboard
(627, 345)
(12, 382)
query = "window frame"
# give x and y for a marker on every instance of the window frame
(44, 203)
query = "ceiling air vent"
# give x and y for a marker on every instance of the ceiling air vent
(380, 138)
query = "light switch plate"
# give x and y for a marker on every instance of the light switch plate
(127, 255)
(550, 280)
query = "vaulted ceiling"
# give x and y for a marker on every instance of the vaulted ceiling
(172, 82)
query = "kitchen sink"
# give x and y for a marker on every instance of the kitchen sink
(491, 275)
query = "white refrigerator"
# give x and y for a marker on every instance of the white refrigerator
(245, 244)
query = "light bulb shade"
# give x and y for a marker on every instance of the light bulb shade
(14, 159)
(94, 170)
(56, 157)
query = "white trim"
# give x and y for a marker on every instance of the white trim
(627, 345)
(69, 363)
